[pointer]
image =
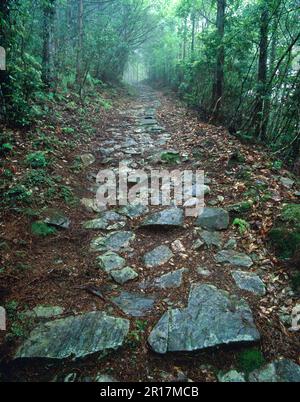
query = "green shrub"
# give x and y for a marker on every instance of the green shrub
(170, 157)
(18, 194)
(36, 159)
(285, 242)
(242, 225)
(41, 229)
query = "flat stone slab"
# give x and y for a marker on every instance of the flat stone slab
(159, 256)
(124, 275)
(231, 376)
(45, 311)
(87, 159)
(213, 317)
(234, 258)
(278, 371)
(116, 241)
(75, 337)
(170, 280)
(250, 282)
(211, 238)
(134, 304)
(109, 220)
(213, 219)
(173, 217)
(57, 219)
(134, 210)
(111, 262)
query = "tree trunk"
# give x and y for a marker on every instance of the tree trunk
(218, 86)
(260, 117)
(193, 34)
(80, 42)
(48, 44)
(4, 42)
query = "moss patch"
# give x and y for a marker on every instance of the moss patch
(250, 359)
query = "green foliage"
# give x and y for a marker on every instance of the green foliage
(68, 196)
(18, 194)
(38, 177)
(296, 282)
(250, 360)
(291, 214)
(242, 225)
(6, 148)
(285, 241)
(36, 159)
(170, 157)
(135, 336)
(68, 130)
(20, 323)
(41, 229)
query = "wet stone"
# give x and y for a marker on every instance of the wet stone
(134, 210)
(75, 337)
(57, 219)
(87, 159)
(170, 280)
(249, 281)
(116, 241)
(213, 317)
(159, 256)
(173, 217)
(111, 262)
(109, 220)
(134, 304)
(211, 238)
(234, 258)
(213, 219)
(124, 275)
(277, 371)
(46, 311)
(231, 376)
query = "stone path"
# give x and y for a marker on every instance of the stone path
(160, 276)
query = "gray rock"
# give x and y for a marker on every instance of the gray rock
(111, 262)
(159, 256)
(116, 241)
(134, 304)
(198, 244)
(231, 376)
(211, 238)
(56, 218)
(213, 219)
(105, 378)
(170, 280)
(87, 159)
(231, 244)
(286, 182)
(173, 217)
(203, 271)
(249, 281)
(124, 275)
(134, 210)
(91, 205)
(45, 311)
(234, 258)
(277, 371)
(107, 218)
(213, 317)
(75, 337)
